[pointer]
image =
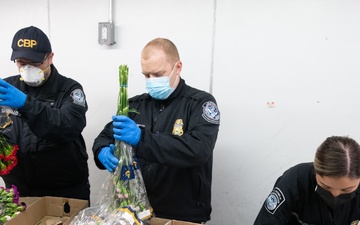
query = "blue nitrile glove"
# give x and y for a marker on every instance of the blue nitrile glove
(107, 158)
(126, 130)
(11, 96)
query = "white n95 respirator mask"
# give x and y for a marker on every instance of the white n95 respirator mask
(32, 76)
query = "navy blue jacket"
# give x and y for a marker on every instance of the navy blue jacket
(175, 151)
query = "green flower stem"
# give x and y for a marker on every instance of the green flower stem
(9, 206)
(123, 101)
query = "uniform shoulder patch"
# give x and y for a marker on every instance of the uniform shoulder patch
(274, 200)
(78, 97)
(211, 112)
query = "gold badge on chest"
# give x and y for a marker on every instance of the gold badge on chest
(178, 127)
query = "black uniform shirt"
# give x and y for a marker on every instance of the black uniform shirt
(52, 157)
(294, 201)
(175, 151)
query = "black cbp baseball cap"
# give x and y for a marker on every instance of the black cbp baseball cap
(30, 43)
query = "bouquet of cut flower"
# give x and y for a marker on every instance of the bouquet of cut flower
(125, 200)
(9, 204)
(128, 185)
(8, 159)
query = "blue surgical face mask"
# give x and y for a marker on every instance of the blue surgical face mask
(159, 87)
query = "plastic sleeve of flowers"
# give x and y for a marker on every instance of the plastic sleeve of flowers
(128, 189)
(94, 215)
(123, 216)
(123, 198)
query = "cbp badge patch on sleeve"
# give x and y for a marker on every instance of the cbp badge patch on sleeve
(211, 112)
(78, 96)
(275, 199)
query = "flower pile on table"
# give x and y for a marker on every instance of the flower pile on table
(9, 203)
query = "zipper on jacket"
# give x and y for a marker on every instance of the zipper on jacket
(331, 218)
(162, 107)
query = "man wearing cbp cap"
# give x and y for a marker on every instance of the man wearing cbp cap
(47, 115)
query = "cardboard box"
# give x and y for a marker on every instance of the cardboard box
(161, 221)
(48, 211)
(177, 222)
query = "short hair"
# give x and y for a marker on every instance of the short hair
(167, 46)
(338, 156)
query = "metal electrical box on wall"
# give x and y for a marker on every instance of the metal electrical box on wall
(106, 33)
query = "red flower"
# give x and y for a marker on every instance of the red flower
(8, 159)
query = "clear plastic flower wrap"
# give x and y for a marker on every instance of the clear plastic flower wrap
(123, 198)
(91, 215)
(127, 187)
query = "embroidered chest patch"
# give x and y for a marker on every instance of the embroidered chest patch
(78, 97)
(211, 112)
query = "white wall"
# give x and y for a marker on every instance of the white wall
(301, 55)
